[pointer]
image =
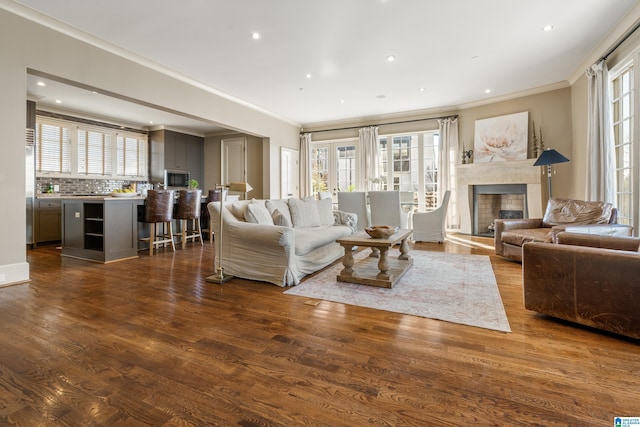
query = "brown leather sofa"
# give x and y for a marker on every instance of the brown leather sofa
(576, 216)
(587, 279)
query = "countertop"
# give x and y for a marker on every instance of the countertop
(104, 197)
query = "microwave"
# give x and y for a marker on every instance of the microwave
(176, 179)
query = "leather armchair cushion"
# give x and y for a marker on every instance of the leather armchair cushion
(520, 237)
(569, 211)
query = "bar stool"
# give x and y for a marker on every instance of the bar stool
(188, 210)
(158, 208)
(213, 196)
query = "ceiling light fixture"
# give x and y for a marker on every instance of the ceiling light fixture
(256, 35)
(342, 101)
(487, 91)
(421, 89)
(547, 28)
(58, 101)
(391, 58)
(308, 75)
(41, 84)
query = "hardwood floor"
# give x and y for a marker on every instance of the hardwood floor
(149, 342)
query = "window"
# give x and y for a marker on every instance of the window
(407, 163)
(53, 147)
(333, 166)
(413, 166)
(94, 153)
(622, 112)
(67, 148)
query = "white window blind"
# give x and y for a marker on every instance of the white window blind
(84, 149)
(94, 152)
(53, 147)
(131, 155)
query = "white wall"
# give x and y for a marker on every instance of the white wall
(26, 45)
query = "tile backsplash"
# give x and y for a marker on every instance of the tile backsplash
(77, 186)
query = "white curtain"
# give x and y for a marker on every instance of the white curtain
(305, 165)
(601, 165)
(446, 168)
(368, 163)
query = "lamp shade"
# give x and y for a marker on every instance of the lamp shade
(241, 187)
(550, 157)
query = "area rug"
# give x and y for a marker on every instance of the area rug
(451, 287)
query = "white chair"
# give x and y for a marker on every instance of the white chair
(355, 202)
(324, 195)
(430, 226)
(386, 210)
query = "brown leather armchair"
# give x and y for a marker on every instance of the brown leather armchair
(576, 216)
(587, 279)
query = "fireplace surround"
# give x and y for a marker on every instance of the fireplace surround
(520, 172)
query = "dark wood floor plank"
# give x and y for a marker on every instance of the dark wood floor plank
(149, 342)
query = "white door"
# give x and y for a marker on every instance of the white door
(289, 173)
(234, 160)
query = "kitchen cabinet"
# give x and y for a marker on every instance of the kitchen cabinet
(100, 229)
(176, 151)
(47, 218)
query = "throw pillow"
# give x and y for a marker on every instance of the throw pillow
(325, 212)
(304, 212)
(280, 219)
(257, 214)
(238, 209)
(282, 205)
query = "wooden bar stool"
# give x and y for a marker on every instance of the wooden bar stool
(188, 211)
(158, 208)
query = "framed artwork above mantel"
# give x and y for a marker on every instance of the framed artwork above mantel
(502, 138)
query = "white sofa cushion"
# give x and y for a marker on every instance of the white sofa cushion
(281, 219)
(258, 214)
(325, 212)
(281, 205)
(304, 212)
(310, 238)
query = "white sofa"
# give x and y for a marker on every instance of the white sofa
(279, 241)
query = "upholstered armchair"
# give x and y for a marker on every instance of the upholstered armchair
(587, 279)
(569, 215)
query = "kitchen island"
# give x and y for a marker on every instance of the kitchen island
(100, 228)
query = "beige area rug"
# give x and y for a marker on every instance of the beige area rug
(451, 287)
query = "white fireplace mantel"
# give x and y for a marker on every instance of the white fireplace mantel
(512, 172)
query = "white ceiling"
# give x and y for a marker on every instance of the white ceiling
(453, 49)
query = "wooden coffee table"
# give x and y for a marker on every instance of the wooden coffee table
(383, 271)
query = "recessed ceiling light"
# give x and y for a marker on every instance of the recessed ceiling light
(391, 58)
(150, 122)
(41, 84)
(548, 28)
(256, 35)
(342, 101)
(421, 89)
(308, 75)
(58, 101)
(487, 91)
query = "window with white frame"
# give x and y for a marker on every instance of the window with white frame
(333, 166)
(67, 148)
(407, 163)
(623, 113)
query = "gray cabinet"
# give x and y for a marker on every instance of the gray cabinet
(47, 227)
(176, 151)
(100, 230)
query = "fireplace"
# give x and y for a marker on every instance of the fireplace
(513, 185)
(497, 201)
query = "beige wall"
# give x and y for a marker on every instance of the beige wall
(26, 45)
(550, 111)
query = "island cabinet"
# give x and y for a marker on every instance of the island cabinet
(102, 230)
(47, 225)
